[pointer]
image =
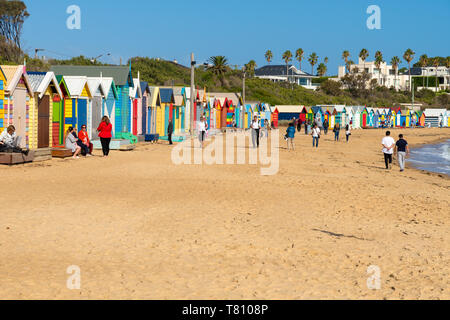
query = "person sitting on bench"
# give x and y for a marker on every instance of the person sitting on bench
(71, 143)
(10, 142)
(84, 137)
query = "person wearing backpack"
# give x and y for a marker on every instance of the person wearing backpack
(290, 135)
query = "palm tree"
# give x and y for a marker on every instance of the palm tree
(269, 56)
(436, 64)
(364, 54)
(345, 56)
(423, 62)
(378, 62)
(299, 56)
(409, 56)
(447, 64)
(313, 58)
(349, 65)
(250, 68)
(395, 61)
(219, 65)
(326, 63)
(321, 69)
(287, 57)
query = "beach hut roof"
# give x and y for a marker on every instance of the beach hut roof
(76, 84)
(316, 109)
(95, 85)
(155, 97)
(2, 74)
(235, 98)
(136, 92)
(166, 95)
(430, 112)
(107, 84)
(120, 74)
(339, 108)
(144, 87)
(13, 74)
(289, 109)
(41, 81)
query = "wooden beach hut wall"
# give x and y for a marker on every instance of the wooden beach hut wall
(178, 110)
(153, 109)
(2, 98)
(405, 118)
(123, 82)
(146, 96)
(287, 113)
(376, 117)
(58, 115)
(421, 118)
(136, 107)
(371, 117)
(318, 114)
(96, 111)
(303, 114)
(16, 102)
(328, 115)
(167, 101)
(356, 123)
(45, 88)
(81, 96)
(109, 102)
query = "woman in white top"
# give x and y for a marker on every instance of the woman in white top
(316, 135)
(71, 143)
(202, 127)
(255, 132)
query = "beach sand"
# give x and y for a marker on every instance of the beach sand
(140, 227)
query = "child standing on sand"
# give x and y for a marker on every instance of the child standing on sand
(290, 134)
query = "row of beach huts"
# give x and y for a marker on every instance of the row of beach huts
(366, 117)
(42, 105)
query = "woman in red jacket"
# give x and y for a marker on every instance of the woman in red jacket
(105, 129)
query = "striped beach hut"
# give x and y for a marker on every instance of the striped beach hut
(340, 115)
(165, 114)
(154, 109)
(95, 112)
(146, 96)
(364, 118)
(109, 101)
(2, 98)
(179, 111)
(16, 104)
(318, 114)
(41, 129)
(434, 117)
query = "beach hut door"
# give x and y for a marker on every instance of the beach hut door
(82, 113)
(44, 122)
(144, 115)
(96, 115)
(20, 101)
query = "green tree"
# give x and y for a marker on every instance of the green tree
(321, 69)
(287, 57)
(299, 56)
(219, 65)
(345, 56)
(313, 58)
(364, 54)
(326, 64)
(408, 56)
(250, 68)
(349, 65)
(12, 17)
(395, 62)
(269, 56)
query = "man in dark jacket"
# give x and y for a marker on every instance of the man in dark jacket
(170, 131)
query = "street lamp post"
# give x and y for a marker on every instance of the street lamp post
(192, 94)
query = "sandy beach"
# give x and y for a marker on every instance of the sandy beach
(140, 227)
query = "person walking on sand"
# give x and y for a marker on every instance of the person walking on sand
(170, 132)
(388, 144)
(105, 133)
(402, 151)
(290, 134)
(325, 126)
(299, 125)
(255, 132)
(348, 132)
(315, 135)
(306, 126)
(336, 130)
(266, 128)
(202, 127)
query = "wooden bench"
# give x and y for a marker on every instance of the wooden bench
(16, 158)
(61, 153)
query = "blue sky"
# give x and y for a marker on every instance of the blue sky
(241, 30)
